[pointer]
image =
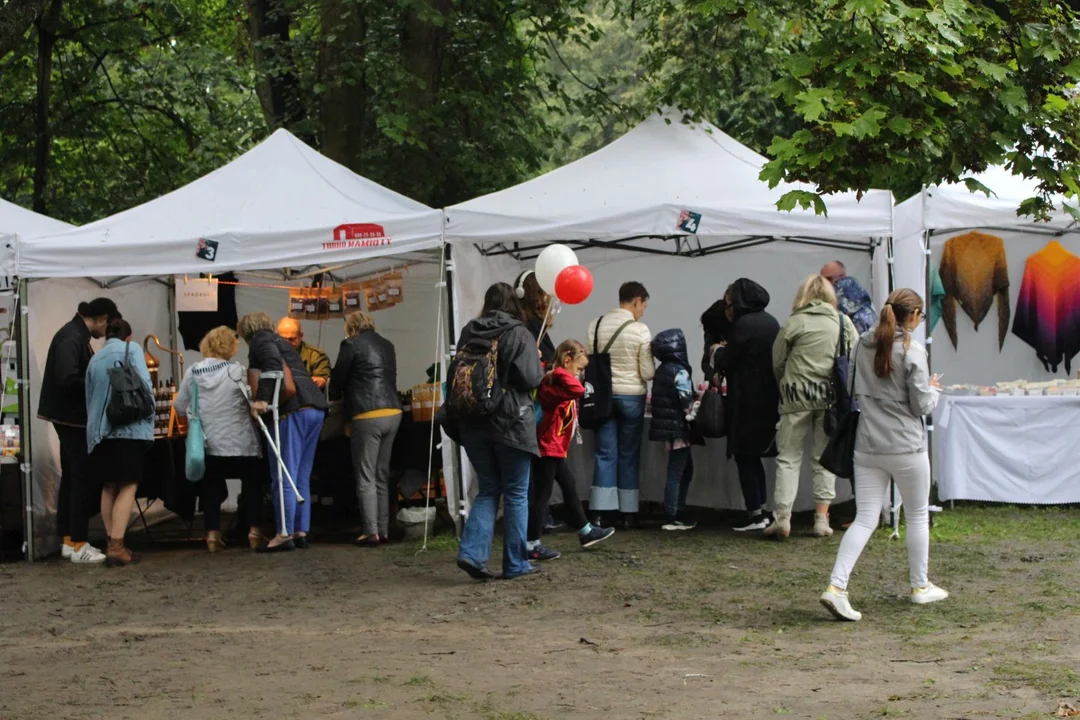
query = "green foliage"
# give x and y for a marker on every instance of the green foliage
(898, 95)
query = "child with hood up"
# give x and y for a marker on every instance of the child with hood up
(672, 401)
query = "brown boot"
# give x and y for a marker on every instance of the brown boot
(116, 555)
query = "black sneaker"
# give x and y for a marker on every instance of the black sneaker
(554, 528)
(758, 522)
(594, 536)
(541, 553)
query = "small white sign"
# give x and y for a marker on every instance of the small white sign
(196, 295)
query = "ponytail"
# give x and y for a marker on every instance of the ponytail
(884, 335)
(900, 306)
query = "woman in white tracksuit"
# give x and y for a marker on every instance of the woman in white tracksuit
(895, 391)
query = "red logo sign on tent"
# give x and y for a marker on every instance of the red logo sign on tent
(357, 235)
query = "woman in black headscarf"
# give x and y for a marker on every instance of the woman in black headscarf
(743, 356)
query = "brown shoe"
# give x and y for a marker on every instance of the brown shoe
(214, 542)
(116, 555)
(256, 540)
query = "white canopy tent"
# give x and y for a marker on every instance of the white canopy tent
(280, 207)
(654, 206)
(16, 223)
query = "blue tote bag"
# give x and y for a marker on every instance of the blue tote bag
(195, 450)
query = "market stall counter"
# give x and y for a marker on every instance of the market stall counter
(1010, 448)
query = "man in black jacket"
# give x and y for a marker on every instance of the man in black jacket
(63, 403)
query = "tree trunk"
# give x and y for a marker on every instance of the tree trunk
(16, 17)
(42, 136)
(343, 103)
(424, 41)
(269, 27)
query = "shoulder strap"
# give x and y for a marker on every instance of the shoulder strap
(615, 336)
(596, 336)
(841, 335)
(853, 368)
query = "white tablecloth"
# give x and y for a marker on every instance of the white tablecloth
(1008, 449)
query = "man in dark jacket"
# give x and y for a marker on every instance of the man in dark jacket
(753, 397)
(63, 403)
(501, 446)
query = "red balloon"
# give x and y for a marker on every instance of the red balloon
(574, 284)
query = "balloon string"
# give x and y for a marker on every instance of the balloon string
(544, 325)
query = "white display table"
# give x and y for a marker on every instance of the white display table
(1009, 449)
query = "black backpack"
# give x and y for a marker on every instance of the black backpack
(596, 405)
(474, 391)
(129, 398)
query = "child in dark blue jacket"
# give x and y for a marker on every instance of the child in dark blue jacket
(672, 400)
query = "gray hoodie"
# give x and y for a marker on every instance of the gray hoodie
(225, 414)
(892, 408)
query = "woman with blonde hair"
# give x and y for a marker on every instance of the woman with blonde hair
(895, 391)
(366, 372)
(803, 356)
(212, 389)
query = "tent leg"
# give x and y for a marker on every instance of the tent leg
(22, 345)
(455, 454)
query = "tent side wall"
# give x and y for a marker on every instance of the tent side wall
(681, 289)
(51, 304)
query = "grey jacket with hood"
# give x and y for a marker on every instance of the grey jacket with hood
(519, 371)
(226, 417)
(892, 408)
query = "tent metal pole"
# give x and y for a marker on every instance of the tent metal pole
(927, 290)
(451, 333)
(174, 331)
(894, 512)
(26, 464)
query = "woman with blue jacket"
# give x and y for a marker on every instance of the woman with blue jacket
(116, 453)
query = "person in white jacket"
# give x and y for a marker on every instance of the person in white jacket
(895, 391)
(618, 441)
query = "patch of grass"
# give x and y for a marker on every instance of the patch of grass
(372, 704)
(381, 679)
(445, 700)
(1042, 676)
(1005, 523)
(420, 681)
(436, 543)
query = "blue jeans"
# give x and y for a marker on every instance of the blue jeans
(299, 434)
(680, 473)
(618, 456)
(500, 470)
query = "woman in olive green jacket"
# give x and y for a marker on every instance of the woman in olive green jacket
(803, 357)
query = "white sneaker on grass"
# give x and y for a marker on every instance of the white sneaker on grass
(929, 594)
(87, 555)
(836, 601)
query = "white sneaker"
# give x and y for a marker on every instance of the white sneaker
(754, 525)
(88, 555)
(929, 594)
(65, 551)
(836, 601)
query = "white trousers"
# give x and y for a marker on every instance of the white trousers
(872, 474)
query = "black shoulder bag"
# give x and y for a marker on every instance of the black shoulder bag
(596, 405)
(839, 455)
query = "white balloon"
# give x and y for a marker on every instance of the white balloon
(553, 260)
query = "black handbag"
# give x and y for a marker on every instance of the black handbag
(839, 455)
(709, 422)
(839, 379)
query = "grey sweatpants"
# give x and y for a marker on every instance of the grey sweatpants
(372, 442)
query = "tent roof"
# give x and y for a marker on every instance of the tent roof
(281, 204)
(16, 220)
(954, 207)
(639, 185)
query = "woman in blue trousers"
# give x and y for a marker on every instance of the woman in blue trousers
(501, 444)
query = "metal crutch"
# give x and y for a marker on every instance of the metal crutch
(275, 441)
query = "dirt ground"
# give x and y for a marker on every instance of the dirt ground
(698, 625)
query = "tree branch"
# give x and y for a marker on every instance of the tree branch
(16, 17)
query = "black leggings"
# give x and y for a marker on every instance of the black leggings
(752, 479)
(545, 473)
(212, 489)
(79, 496)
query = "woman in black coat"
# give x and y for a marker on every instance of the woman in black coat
(753, 398)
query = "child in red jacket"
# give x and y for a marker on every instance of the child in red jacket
(559, 394)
